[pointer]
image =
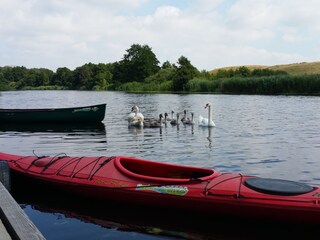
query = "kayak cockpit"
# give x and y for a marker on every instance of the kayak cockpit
(155, 171)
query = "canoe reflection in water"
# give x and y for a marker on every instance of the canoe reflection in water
(98, 127)
(146, 220)
(45, 138)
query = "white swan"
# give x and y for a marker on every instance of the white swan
(135, 118)
(206, 122)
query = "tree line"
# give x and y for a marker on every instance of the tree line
(140, 70)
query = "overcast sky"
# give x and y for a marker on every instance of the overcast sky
(210, 33)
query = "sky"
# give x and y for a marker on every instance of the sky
(210, 33)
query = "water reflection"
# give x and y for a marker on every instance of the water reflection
(207, 134)
(135, 130)
(126, 218)
(54, 138)
(209, 137)
(99, 128)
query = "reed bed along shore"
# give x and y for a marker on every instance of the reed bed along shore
(269, 85)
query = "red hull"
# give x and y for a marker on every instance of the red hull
(138, 181)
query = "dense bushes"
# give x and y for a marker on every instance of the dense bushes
(284, 84)
(162, 81)
(165, 86)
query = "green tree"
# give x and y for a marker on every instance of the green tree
(267, 72)
(138, 63)
(82, 78)
(163, 75)
(18, 73)
(4, 84)
(62, 77)
(166, 64)
(101, 76)
(242, 72)
(38, 77)
(185, 72)
(223, 73)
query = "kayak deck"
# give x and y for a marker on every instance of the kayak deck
(133, 180)
(88, 167)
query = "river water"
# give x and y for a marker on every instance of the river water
(267, 136)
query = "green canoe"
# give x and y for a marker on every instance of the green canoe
(93, 113)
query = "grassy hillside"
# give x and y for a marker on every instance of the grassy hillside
(293, 69)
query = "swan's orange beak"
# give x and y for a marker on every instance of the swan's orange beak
(207, 105)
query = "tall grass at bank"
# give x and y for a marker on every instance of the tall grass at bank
(50, 87)
(146, 87)
(270, 85)
(299, 84)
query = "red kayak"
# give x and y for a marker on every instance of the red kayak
(170, 186)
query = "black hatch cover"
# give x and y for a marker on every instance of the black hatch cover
(277, 186)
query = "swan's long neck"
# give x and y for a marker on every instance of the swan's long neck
(137, 110)
(209, 114)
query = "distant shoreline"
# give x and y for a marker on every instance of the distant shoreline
(291, 68)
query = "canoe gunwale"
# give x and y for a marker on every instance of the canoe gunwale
(48, 109)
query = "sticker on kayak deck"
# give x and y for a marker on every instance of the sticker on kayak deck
(173, 190)
(111, 182)
(317, 194)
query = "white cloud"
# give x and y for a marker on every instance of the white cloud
(167, 11)
(56, 33)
